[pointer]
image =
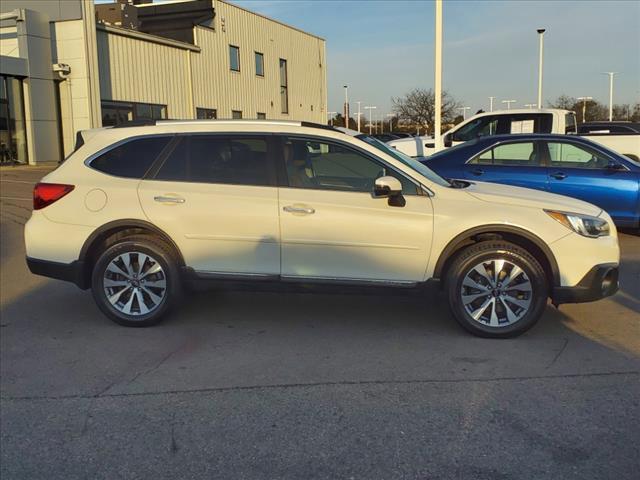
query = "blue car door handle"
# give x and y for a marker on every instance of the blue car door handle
(559, 175)
(477, 171)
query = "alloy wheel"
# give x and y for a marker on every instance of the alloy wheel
(496, 293)
(135, 283)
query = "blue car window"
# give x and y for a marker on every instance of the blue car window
(569, 155)
(511, 154)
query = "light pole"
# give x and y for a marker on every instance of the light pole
(346, 106)
(331, 114)
(438, 77)
(611, 75)
(390, 115)
(530, 105)
(491, 103)
(584, 101)
(371, 109)
(464, 112)
(508, 102)
(359, 115)
(541, 38)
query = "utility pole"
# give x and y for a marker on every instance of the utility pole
(584, 101)
(541, 38)
(508, 102)
(438, 77)
(390, 115)
(611, 75)
(346, 106)
(359, 115)
(331, 114)
(371, 109)
(491, 103)
(464, 112)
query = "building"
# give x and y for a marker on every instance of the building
(69, 65)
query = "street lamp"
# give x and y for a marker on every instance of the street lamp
(584, 101)
(491, 103)
(464, 112)
(611, 75)
(437, 84)
(359, 114)
(541, 38)
(346, 106)
(508, 102)
(331, 114)
(371, 109)
(390, 115)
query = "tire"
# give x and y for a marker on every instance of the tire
(142, 293)
(504, 308)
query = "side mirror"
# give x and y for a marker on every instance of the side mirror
(386, 187)
(615, 166)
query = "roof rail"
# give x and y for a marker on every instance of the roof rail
(319, 125)
(227, 120)
(136, 123)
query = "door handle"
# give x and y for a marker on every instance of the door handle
(292, 209)
(477, 172)
(168, 199)
(559, 176)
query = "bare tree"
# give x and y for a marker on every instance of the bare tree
(418, 107)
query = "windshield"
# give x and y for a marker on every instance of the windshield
(408, 161)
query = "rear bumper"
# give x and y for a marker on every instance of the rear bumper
(599, 282)
(71, 272)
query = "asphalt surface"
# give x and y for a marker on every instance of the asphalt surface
(274, 385)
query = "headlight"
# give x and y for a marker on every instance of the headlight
(585, 225)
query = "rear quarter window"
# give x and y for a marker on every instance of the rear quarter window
(131, 159)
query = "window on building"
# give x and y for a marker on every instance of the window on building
(284, 92)
(262, 116)
(206, 113)
(327, 166)
(13, 138)
(237, 160)
(131, 159)
(236, 114)
(234, 58)
(259, 64)
(117, 113)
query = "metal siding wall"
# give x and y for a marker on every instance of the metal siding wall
(216, 86)
(136, 70)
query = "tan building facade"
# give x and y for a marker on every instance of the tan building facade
(235, 64)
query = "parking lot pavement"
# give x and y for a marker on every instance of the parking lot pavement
(275, 385)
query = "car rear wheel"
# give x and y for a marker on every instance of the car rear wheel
(496, 289)
(136, 281)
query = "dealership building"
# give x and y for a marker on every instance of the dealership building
(70, 65)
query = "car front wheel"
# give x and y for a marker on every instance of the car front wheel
(136, 281)
(496, 289)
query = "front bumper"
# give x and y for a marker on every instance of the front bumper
(599, 282)
(70, 272)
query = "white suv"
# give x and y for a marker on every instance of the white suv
(137, 212)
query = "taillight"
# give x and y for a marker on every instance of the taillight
(45, 194)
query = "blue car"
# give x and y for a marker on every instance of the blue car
(562, 164)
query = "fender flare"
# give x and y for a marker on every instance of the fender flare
(498, 228)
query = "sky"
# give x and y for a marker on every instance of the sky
(383, 48)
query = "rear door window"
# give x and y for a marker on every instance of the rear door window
(131, 159)
(568, 155)
(237, 160)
